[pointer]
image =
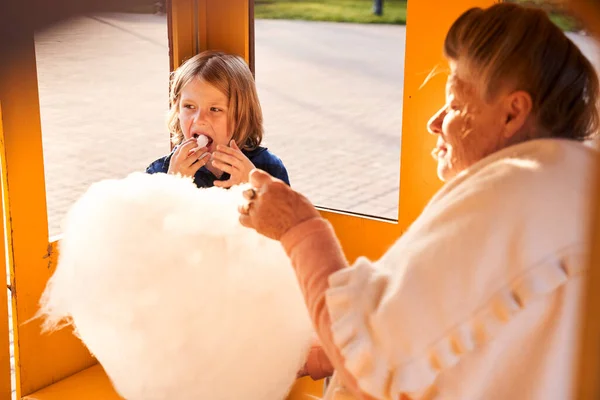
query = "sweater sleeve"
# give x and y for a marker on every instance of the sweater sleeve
(315, 254)
(453, 282)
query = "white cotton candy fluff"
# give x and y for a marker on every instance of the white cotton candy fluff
(174, 297)
(201, 141)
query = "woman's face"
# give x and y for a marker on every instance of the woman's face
(468, 127)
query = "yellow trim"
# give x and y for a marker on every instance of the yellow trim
(5, 384)
(588, 368)
(40, 359)
(182, 37)
(225, 25)
(209, 25)
(90, 384)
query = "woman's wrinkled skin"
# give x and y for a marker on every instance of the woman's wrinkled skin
(275, 208)
(469, 128)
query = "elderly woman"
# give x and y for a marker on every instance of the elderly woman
(479, 299)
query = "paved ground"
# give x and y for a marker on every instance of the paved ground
(103, 93)
(332, 96)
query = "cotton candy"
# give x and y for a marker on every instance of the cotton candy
(174, 297)
(202, 141)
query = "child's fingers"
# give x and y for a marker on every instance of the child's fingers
(184, 148)
(203, 158)
(188, 145)
(224, 184)
(194, 156)
(190, 165)
(234, 151)
(199, 163)
(186, 142)
(230, 169)
(227, 159)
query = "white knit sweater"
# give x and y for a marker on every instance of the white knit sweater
(480, 298)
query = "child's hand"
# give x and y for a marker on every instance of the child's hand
(234, 162)
(187, 160)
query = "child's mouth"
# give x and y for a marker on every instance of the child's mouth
(202, 140)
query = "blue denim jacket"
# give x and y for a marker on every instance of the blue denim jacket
(261, 157)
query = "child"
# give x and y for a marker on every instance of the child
(213, 98)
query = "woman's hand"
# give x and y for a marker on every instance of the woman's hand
(188, 159)
(317, 364)
(234, 162)
(273, 207)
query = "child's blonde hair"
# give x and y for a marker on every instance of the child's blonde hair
(230, 75)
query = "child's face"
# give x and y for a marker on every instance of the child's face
(203, 111)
